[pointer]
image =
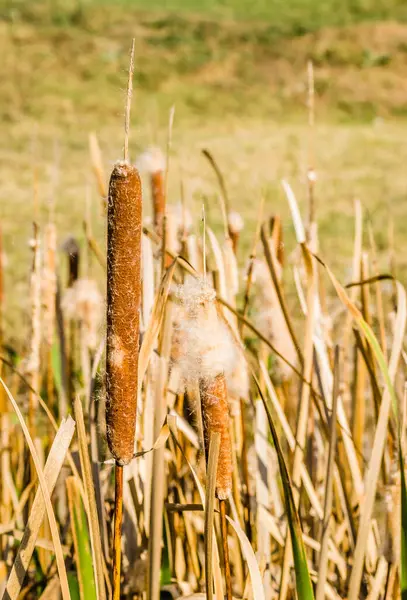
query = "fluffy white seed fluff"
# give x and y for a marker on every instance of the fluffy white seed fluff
(235, 222)
(84, 303)
(206, 346)
(151, 161)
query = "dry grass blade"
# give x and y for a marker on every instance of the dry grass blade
(252, 564)
(44, 489)
(208, 155)
(214, 445)
(217, 574)
(97, 553)
(271, 259)
(382, 423)
(151, 334)
(323, 557)
(97, 165)
(303, 409)
(304, 587)
(52, 469)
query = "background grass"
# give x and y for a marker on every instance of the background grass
(236, 72)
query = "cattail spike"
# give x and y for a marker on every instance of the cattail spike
(215, 413)
(123, 303)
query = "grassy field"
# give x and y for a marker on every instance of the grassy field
(236, 73)
(240, 424)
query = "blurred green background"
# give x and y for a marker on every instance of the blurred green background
(236, 72)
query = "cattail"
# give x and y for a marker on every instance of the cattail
(123, 303)
(216, 420)
(207, 355)
(152, 162)
(235, 226)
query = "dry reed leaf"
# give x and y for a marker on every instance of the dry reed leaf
(305, 477)
(323, 557)
(295, 213)
(157, 314)
(158, 481)
(382, 423)
(303, 408)
(172, 423)
(90, 504)
(213, 453)
(379, 579)
(218, 263)
(52, 591)
(97, 165)
(252, 564)
(44, 489)
(53, 465)
(147, 266)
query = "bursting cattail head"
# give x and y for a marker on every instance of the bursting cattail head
(83, 302)
(152, 162)
(207, 347)
(235, 226)
(207, 352)
(123, 307)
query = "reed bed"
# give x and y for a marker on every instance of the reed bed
(224, 442)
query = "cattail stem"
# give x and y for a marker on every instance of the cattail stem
(117, 539)
(224, 535)
(123, 320)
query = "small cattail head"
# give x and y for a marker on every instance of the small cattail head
(123, 304)
(206, 353)
(235, 222)
(152, 162)
(235, 225)
(207, 347)
(215, 414)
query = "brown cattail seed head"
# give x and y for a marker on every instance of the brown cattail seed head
(153, 163)
(123, 304)
(235, 226)
(215, 412)
(206, 354)
(158, 196)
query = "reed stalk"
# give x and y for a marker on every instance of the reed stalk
(122, 334)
